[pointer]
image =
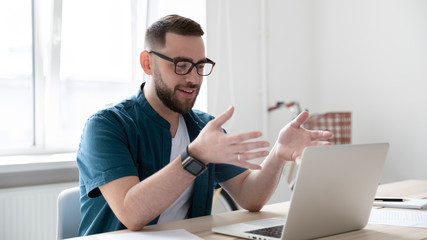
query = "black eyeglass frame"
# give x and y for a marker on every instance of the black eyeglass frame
(176, 61)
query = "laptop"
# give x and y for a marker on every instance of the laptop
(334, 190)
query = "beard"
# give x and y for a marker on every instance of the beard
(168, 96)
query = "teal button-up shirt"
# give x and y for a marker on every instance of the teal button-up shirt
(131, 139)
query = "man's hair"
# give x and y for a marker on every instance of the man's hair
(155, 36)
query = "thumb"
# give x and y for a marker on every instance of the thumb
(300, 119)
(224, 117)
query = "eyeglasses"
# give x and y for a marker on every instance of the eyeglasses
(184, 66)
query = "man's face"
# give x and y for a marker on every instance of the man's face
(178, 92)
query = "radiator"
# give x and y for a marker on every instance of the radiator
(30, 212)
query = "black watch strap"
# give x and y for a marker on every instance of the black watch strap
(192, 165)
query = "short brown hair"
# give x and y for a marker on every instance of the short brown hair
(155, 36)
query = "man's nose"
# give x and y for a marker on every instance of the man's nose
(193, 76)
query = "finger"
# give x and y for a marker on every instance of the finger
(319, 134)
(248, 165)
(224, 117)
(241, 159)
(300, 119)
(322, 143)
(253, 155)
(252, 166)
(246, 156)
(249, 146)
(241, 137)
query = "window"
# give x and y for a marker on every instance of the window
(16, 76)
(86, 55)
(98, 63)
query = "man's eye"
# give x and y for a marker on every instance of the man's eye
(201, 66)
(182, 65)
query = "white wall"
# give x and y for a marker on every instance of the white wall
(290, 58)
(370, 57)
(364, 56)
(233, 42)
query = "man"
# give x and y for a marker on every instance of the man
(152, 159)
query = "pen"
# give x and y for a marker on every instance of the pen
(390, 199)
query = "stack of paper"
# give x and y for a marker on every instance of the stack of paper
(407, 218)
(405, 203)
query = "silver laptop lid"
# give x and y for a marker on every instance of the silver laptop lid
(349, 176)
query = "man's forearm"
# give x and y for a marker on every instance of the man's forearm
(258, 186)
(138, 203)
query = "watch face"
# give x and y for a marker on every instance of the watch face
(194, 167)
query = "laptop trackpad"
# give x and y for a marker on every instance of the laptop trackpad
(268, 222)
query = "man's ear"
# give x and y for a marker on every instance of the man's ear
(145, 61)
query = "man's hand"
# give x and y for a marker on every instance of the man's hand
(214, 146)
(293, 139)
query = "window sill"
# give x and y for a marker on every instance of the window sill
(30, 170)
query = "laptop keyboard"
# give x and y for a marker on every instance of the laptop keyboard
(275, 231)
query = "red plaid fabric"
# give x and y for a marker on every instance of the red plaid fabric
(339, 123)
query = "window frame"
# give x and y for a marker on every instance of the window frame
(46, 17)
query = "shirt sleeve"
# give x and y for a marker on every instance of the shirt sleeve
(104, 154)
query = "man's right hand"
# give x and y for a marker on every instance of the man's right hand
(214, 146)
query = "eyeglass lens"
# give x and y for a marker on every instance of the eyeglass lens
(184, 67)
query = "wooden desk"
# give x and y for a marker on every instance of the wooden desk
(202, 226)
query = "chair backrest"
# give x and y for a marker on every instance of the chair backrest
(68, 213)
(339, 123)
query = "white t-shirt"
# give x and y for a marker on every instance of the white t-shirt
(179, 209)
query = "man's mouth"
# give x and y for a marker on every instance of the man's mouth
(188, 93)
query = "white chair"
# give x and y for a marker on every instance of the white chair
(68, 213)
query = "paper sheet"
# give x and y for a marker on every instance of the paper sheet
(155, 235)
(407, 218)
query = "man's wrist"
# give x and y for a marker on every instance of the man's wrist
(191, 164)
(194, 153)
(190, 150)
(277, 157)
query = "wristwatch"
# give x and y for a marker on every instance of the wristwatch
(192, 165)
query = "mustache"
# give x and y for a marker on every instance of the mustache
(189, 85)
